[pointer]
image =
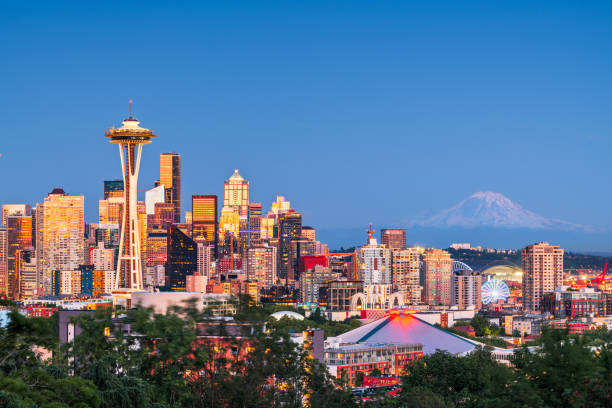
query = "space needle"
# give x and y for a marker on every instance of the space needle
(130, 138)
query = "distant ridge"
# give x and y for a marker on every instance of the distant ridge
(491, 209)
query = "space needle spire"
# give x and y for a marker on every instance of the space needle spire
(130, 138)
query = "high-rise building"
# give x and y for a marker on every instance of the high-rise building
(113, 188)
(393, 238)
(374, 264)
(103, 282)
(103, 259)
(163, 215)
(154, 196)
(130, 138)
(407, 273)
(236, 194)
(308, 233)
(157, 247)
(26, 271)
(110, 210)
(254, 224)
(170, 178)
(436, 277)
(19, 237)
(182, 259)
(14, 209)
(313, 280)
(205, 259)
(204, 220)
(289, 229)
(261, 265)
(466, 290)
(542, 273)
(60, 228)
(3, 262)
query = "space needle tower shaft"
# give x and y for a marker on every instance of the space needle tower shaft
(130, 138)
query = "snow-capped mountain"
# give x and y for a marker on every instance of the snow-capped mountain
(490, 209)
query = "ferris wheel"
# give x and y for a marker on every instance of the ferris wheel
(494, 290)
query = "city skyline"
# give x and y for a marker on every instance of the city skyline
(405, 98)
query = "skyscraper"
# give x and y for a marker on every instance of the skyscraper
(406, 273)
(182, 259)
(113, 188)
(466, 290)
(289, 229)
(170, 178)
(60, 228)
(374, 264)
(261, 264)
(254, 224)
(393, 238)
(542, 273)
(436, 278)
(204, 220)
(19, 237)
(130, 138)
(14, 209)
(236, 194)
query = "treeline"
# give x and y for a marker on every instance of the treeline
(142, 359)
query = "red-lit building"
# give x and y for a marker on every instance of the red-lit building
(347, 360)
(571, 303)
(308, 262)
(35, 311)
(575, 327)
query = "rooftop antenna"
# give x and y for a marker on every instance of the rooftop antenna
(131, 101)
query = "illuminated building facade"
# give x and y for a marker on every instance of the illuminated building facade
(236, 194)
(205, 259)
(308, 233)
(130, 138)
(393, 238)
(466, 290)
(182, 259)
(261, 265)
(3, 261)
(289, 229)
(374, 264)
(340, 294)
(163, 215)
(101, 258)
(407, 273)
(170, 178)
(157, 247)
(19, 237)
(103, 282)
(254, 224)
(542, 273)
(14, 209)
(26, 271)
(110, 210)
(313, 280)
(436, 277)
(113, 188)
(60, 228)
(204, 220)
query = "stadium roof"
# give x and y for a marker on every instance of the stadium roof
(406, 328)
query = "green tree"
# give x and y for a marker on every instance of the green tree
(480, 325)
(565, 371)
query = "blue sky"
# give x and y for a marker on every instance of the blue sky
(355, 111)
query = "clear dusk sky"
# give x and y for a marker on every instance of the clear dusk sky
(356, 111)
